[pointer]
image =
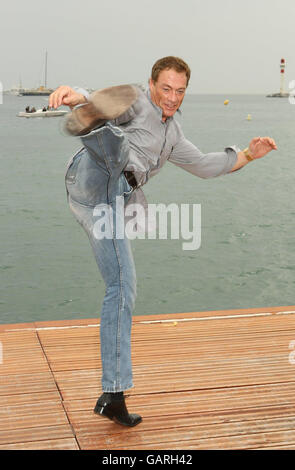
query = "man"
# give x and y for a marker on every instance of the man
(127, 137)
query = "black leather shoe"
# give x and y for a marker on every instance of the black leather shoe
(115, 410)
(103, 105)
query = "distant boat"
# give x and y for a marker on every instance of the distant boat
(278, 95)
(39, 113)
(41, 90)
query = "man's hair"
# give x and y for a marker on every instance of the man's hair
(170, 62)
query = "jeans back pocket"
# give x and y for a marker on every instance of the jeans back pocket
(72, 170)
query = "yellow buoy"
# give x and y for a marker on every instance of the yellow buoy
(249, 117)
(172, 323)
(226, 102)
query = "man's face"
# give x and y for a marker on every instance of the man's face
(168, 91)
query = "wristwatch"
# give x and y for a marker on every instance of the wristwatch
(248, 155)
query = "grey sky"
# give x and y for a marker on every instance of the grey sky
(232, 46)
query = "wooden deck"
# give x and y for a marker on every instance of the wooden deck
(203, 380)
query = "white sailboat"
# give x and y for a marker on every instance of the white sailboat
(41, 90)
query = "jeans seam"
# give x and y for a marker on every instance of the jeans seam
(100, 143)
(121, 307)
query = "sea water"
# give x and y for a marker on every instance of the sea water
(246, 256)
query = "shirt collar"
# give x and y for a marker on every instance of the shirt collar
(158, 109)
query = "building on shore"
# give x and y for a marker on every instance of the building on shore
(282, 93)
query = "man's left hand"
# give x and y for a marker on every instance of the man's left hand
(260, 146)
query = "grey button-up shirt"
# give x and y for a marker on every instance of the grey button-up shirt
(153, 142)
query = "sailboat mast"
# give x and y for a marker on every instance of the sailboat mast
(45, 69)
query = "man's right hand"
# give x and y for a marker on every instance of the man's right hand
(65, 95)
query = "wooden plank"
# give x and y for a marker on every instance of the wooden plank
(237, 442)
(52, 444)
(12, 421)
(37, 433)
(31, 408)
(16, 326)
(181, 382)
(212, 313)
(249, 433)
(26, 383)
(277, 447)
(187, 417)
(236, 349)
(25, 398)
(157, 411)
(14, 367)
(204, 400)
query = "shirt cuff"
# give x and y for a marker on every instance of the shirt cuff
(82, 91)
(232, 151)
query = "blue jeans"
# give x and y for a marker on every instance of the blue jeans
(93, 180)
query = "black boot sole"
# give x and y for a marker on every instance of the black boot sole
(103, 105)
